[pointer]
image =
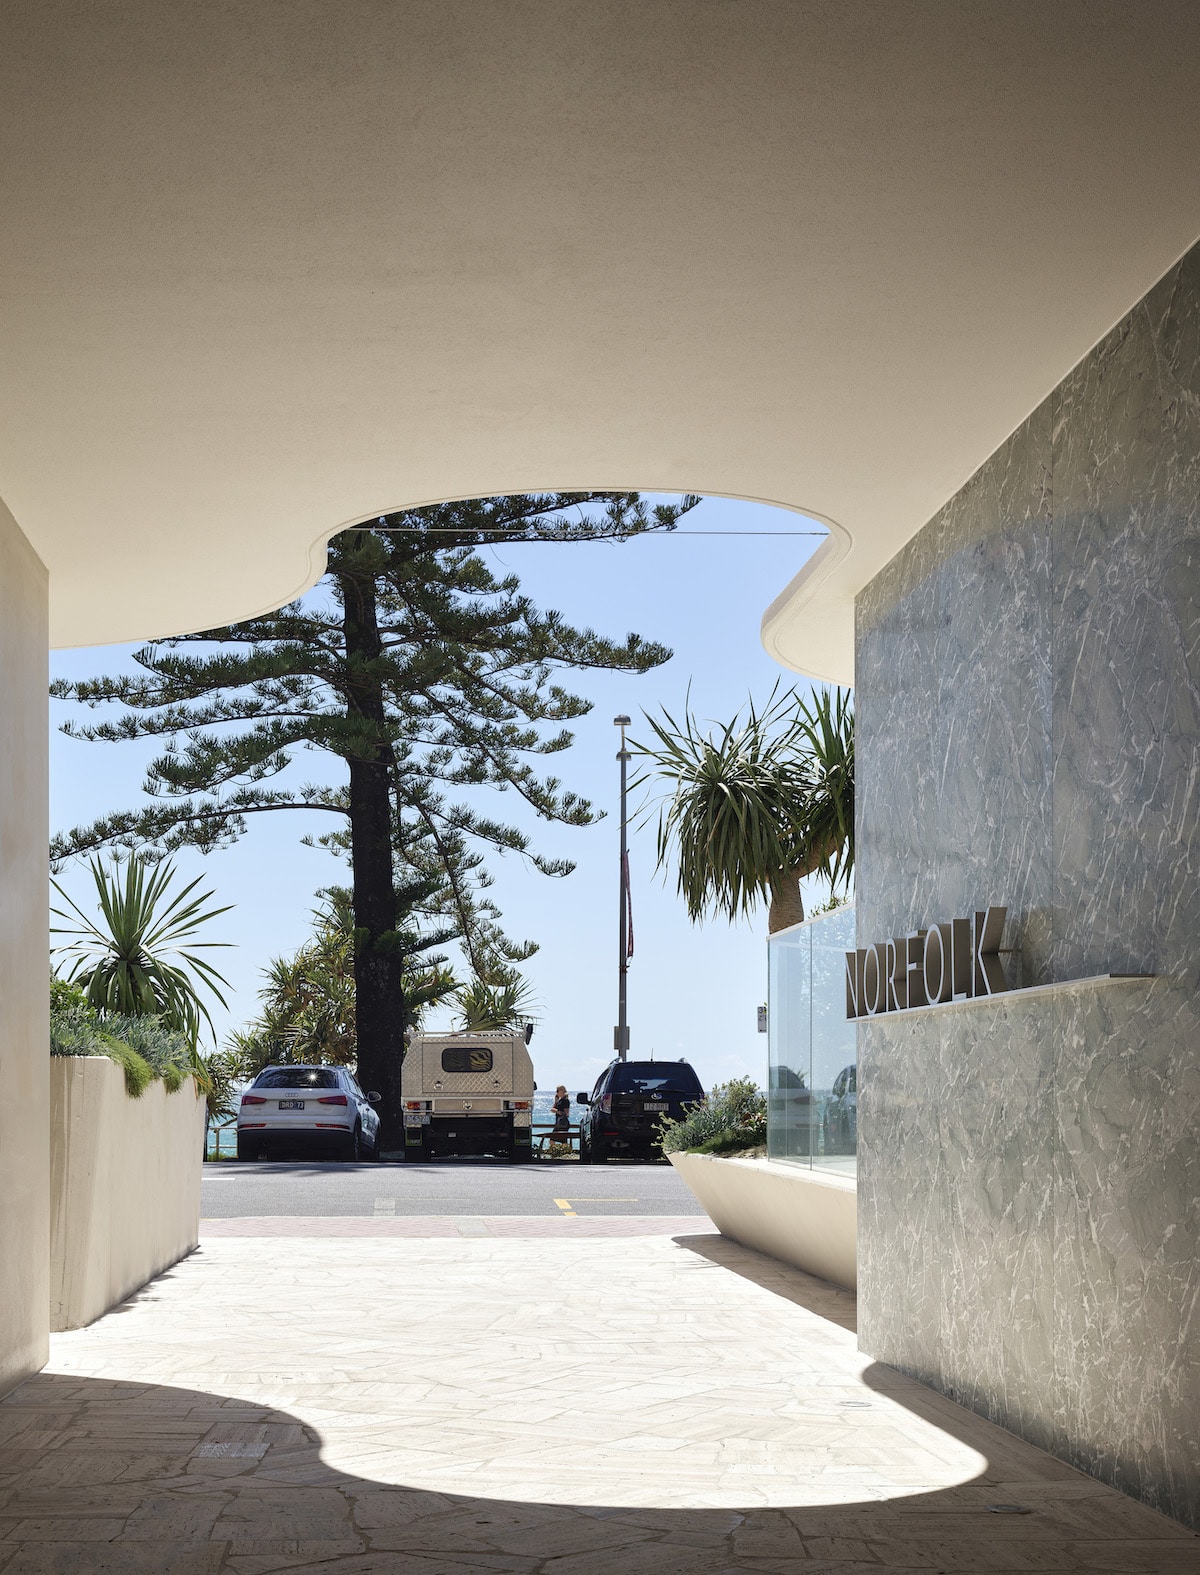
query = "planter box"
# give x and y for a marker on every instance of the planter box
(124, 1185)
(804, 1217)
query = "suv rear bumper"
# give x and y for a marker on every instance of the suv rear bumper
(272, 1139)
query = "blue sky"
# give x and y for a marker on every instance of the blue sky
(693, 990)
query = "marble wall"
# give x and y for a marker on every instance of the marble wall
(1028, 697)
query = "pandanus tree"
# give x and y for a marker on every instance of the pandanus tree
(749, 808)
(502, 999)
(307, 1010)
(427, 678)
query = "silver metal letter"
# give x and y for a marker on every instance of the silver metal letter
(962, 970)
(875, 979)
(853, 984)
(988, 969)
(915, 952)
(897, 977)
(937, 964)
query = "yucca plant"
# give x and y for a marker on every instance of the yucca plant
(756, 804)
(140, 958)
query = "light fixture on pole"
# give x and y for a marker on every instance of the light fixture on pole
(621, 1032)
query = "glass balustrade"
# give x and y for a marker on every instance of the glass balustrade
(812, 1104)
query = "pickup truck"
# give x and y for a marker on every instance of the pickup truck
(468, 1093)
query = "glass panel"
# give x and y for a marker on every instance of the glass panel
(647, 1077)
(789, 1045)
(834, 1045)
(812, 1100)
(296, 1077)
(467, 1058)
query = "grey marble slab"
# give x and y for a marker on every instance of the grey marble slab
(1028, 698)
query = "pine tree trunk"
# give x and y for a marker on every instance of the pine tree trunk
(380, 1015)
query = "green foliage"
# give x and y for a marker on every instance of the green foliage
(734, 1116)
(501, 1000)
(221, 1075)
(141, 958)
(143, 1047)
(308, 999)
(459, 693)
(139, 1074)
(755, 804)
(66, 997)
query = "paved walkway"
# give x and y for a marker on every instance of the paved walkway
(638, 1406)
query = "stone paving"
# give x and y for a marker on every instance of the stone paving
(644, 1405)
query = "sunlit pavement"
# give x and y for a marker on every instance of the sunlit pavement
(643, 1405)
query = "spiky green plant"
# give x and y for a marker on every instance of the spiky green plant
(140, 959)
(756, 804)
(498, 1000)
(308, 1012)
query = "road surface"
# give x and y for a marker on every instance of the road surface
(442, 1187)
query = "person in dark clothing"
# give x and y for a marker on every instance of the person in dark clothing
(562, 1109)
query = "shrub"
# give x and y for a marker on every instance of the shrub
(141, 1046)
(733, 1117)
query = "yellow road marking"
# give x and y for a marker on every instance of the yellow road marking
(569, 1213)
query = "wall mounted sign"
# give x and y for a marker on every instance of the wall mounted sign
(955, 960)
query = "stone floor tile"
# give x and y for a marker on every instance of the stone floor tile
(637, 1406)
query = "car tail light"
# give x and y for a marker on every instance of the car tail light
(253, 1099)
(605, 1103)
(340, 1125)
(332, 1099)
(519, 1104)
(412, 1104)
(246, 1124)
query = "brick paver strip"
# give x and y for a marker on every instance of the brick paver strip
(444, 1225)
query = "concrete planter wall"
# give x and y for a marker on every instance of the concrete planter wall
(124, 1185)
(804, 1217)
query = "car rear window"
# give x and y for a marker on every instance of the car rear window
(297, 1077)
(467, 1058)
(656, 1077)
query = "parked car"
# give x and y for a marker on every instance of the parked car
(623, 1111)
(317, 1108)
(841, 1113)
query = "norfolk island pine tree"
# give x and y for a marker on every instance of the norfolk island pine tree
(422, 672)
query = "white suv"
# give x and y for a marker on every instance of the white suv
(318, 1108)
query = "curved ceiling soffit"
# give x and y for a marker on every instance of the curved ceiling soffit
(795, 596)
(799, 595)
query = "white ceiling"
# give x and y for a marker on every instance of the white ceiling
(275, 266)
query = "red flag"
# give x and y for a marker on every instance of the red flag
(628, 912)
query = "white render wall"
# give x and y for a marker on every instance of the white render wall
(124, 1185)
(803, 1217)
(24, 960)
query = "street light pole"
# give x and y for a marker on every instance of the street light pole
(621, 1032)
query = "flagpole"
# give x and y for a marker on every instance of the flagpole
(621, 1032)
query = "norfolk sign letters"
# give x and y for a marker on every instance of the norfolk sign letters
(953, 961)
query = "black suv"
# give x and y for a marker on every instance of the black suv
(628, 1102)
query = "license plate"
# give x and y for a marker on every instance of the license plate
(291, 1104)
(651, 1109)
(413, 1118)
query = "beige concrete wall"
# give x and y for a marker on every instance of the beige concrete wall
(798, 1215)
(24, 961)
(124, 1185)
